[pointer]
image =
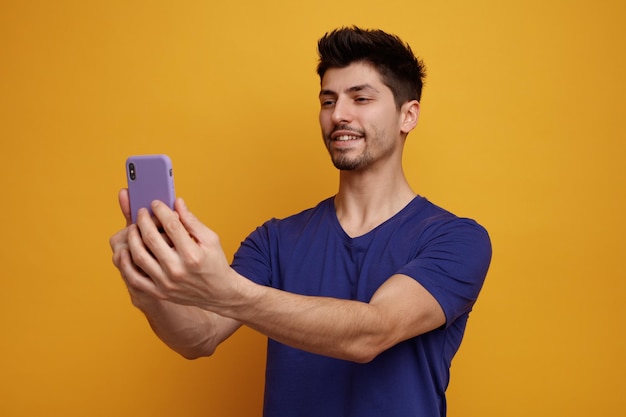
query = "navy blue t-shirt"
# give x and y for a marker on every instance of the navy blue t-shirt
(310, 254)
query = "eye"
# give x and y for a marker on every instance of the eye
(327, 102)
(362, 100)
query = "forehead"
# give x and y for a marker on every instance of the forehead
(344, 79)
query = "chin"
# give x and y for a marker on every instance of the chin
(344, 164)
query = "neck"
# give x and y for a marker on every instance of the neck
(368, 199)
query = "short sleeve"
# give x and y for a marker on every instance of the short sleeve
(451, 264)
(253, 258)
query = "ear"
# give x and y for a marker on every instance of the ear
(410, 112)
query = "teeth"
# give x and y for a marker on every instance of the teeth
(346, 137)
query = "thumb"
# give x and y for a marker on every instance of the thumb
(125, 205)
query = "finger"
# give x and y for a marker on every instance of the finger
(129, 270)
(177, 233)
(153, 234)
(167, 239)
(142, 254)
(125, 204)
(198, 231)
(161, 229)
(136, 280)
(118, 240)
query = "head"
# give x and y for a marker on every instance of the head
(371, 84)
(393, 59)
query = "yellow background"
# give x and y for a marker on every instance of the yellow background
(521, 128)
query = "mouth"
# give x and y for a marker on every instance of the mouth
(343, 134)
(345, 138)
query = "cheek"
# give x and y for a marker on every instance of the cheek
(388, 122)
(325, 123)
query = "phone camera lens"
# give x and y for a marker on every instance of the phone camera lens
(131, 171)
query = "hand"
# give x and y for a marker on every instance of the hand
(131, 274)
(188, 267)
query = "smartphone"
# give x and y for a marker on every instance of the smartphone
(150, 178)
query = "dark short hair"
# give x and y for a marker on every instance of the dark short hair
(399, 68)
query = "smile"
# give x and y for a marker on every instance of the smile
(344, 138)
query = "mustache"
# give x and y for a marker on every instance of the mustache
(347, 128)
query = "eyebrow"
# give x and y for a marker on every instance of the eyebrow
(353, 89)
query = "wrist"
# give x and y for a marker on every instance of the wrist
(241, 300)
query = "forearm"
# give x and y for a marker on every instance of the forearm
(343, 329)
(190, 331)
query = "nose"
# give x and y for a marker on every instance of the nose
(341, 112)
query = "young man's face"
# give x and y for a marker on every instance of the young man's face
(360, 122)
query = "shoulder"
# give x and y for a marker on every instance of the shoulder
(319, 213)
(262, 250)
(437, 234)
(429, 220)
(277, 230)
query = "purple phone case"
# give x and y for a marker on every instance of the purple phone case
(149, 178)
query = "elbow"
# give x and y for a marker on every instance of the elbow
(366, 348)
(366, 356)
(190, 357)
(195, 352)
(363, 359)
(193, 355)
(362, 353)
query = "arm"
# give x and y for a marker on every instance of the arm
(193, 271)
(400, 309)
(190, 331)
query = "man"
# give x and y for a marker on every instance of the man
(365, 297)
